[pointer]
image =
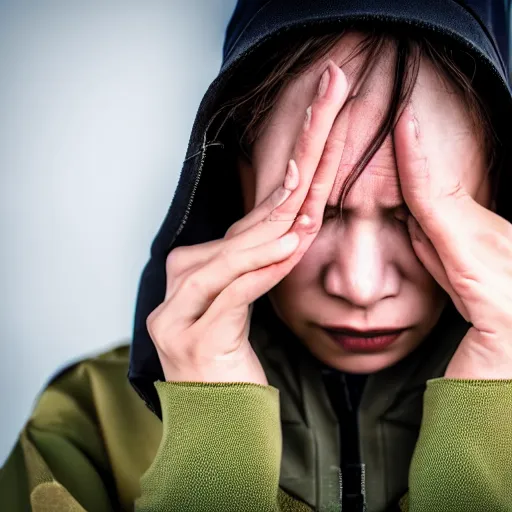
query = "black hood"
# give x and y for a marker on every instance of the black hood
(480, 27)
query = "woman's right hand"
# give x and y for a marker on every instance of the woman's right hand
(201, 329)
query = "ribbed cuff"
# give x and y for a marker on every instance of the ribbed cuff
(463, 457)
(220, 450)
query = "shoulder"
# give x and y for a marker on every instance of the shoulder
(96, 388)
(118, 355)
(84, 380)
(89, 439)
(91, 406)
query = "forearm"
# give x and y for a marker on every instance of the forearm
(463, 457)
(221, 449)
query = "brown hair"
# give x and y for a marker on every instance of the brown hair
(250, 108)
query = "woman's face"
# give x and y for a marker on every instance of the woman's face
(362, 273)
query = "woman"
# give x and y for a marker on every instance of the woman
(325, 320)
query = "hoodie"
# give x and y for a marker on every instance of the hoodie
(415, 442)
(480, 26)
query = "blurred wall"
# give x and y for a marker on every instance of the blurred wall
(97, 100)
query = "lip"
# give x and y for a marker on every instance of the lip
(358, 341)
(370, 333)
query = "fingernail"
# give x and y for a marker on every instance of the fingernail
(324, 82)
(307, 120)
(291, 180)
(304, 220)
(285, 194)
(290, 241)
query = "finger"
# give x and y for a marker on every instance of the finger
(326, 174)
(200, 288)
(313, 184)
(183, 259)
(308, 150)
(252, 285)
(427, 254)
(186, 258)
(265, 209)
(434, 195)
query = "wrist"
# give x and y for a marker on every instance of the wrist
(481, 357)
(476, 371)
(221, 370)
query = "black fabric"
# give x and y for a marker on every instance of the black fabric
(478, 26)
(345, 391)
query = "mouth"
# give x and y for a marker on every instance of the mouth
(359, 341)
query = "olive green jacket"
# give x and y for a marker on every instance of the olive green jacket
(428, 443)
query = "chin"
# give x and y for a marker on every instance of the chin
(363, 363)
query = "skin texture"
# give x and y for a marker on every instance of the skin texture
(377, 267)
(363, 271)
(200, 330)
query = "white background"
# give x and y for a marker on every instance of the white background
(97, 101)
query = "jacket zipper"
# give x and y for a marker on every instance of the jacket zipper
(192, 194)
(362, 467)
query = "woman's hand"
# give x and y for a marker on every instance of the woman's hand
(201, 329)
(466, 247)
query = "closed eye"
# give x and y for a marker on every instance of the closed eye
(401, 213)
(331, 212)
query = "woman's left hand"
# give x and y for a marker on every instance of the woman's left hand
(466, 247)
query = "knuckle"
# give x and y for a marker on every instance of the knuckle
(228, 259)
(192, 284)
(232, 230)
(154, 325)
(467, 282)
(176, 261)
(313, 226)
(236, 293)
(282, 215)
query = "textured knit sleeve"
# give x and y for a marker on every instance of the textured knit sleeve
(463, 457)
(221, 450)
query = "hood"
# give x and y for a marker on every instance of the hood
(480, 27)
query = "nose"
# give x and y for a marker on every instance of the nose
(360, 270)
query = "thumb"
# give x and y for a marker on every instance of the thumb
(427, 254)
(433, 194)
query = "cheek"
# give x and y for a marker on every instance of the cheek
(296, 288)
(292, 296)
(307, 272)
(247, 177)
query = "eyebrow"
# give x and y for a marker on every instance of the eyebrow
(334, 210)
(389, 201)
